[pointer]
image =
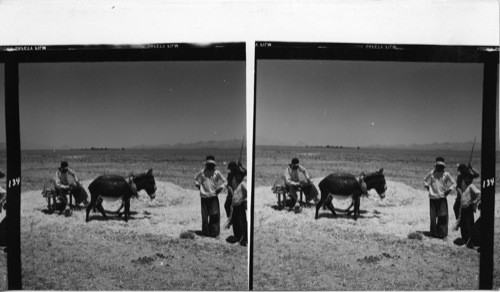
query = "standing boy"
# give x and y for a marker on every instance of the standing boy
(439, 183)
(210, 182)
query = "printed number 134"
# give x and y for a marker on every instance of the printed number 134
(488, 182)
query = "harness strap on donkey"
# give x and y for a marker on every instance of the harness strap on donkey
(362, 184)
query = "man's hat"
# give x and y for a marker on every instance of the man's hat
(440, 161)
(210, 160)
(295, 161)
(462, 167)
(64, 164)
(232, 164)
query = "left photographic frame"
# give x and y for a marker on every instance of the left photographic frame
(111, 141)
(3, 169)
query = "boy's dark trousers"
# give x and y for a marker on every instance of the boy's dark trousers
(439, 217)
(210, 216)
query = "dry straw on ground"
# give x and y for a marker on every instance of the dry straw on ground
(145, 253)
(295, 251)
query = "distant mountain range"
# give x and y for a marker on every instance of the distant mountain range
(235, 143)
(222, 144)
(25, 145)
(464, 146)
(274, 142)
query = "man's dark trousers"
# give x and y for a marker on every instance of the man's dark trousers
(228, 203)
(467, 222)
(240, 222)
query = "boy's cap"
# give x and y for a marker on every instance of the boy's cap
(440, 161)
(210, 160)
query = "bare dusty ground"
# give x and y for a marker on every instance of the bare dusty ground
(145, 253)
(296, 252)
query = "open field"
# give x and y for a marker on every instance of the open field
(405, 166)
(147, 253)
(296, 252)
(170, 165)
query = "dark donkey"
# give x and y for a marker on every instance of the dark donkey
(114, 187)
(343, 186)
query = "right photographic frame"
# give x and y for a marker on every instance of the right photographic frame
(374, 167)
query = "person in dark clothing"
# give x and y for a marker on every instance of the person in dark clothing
(233, 169)
(238, 214)
(3, 194)
(3, 223)
(475, 239)
(464, 172)
(470, 198)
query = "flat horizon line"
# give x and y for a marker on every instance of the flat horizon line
(131, 148)
(393, 147)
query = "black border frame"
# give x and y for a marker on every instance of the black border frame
(487, 55)
(12, 56)
(121, 53)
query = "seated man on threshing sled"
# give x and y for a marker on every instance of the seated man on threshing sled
(62, 188)
(293, 185)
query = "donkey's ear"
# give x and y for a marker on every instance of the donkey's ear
(150, 171)
(381, 171)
